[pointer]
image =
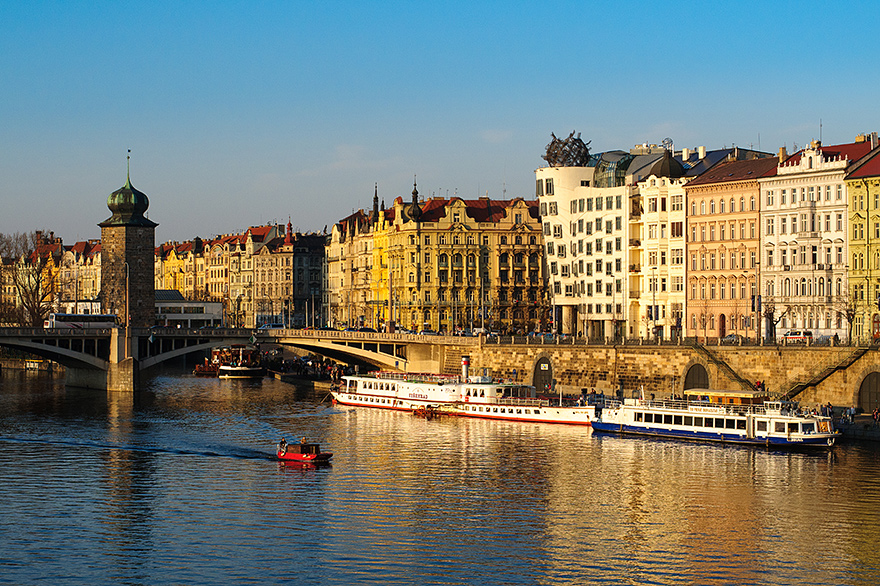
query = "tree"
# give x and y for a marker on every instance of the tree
(34, 262)
(770, 315)
(846, 306)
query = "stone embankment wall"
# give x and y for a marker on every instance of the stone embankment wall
(663, 369)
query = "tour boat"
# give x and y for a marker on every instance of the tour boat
(240, 361)
(722, 416)
(303, 453)
(463, 396)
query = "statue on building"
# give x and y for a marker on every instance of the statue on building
(571, 152)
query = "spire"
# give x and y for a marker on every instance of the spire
(375, 217)
(287, 238)
(415, 211)
(128, 170)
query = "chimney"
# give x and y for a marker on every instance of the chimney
(701, 151)
(685, 154)
(465, 366)
(873, 140)
(783, 154)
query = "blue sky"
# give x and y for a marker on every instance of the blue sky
(240, 113)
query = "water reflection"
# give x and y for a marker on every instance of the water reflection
(178, 484)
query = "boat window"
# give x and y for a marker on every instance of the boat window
(793, 427)
(537, 411)
(762, 426)
(495, 410)
(482, 392)
(528, 412)
(676, 420)
(698, 422)
(688, 420)
(638, 415)
(649, 418)
(779, 426)
(730, 424)
(808, 427)
(719, 422)
(740, 423)
(519, 411)
(667, 419)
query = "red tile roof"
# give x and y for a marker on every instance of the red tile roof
(852, 151)
(870, 168)
(737, 171)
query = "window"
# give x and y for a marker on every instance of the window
(548, 188)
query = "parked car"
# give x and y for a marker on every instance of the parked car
(428, 333)
(798, 337)
(271, 327)
(732, 339)
(368, 330)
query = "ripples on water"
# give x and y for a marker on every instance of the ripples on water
(178, 486)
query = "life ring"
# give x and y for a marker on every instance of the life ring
(830, 441)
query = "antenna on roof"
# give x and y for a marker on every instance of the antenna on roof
(820, 130)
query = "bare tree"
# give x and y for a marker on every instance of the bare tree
(34, 260)
(774, 315)
(846, 306)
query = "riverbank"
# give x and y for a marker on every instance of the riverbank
(862, 429)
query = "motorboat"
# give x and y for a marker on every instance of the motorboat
(303, 452)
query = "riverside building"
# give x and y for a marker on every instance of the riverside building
(804, 279)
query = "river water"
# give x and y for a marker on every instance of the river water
(177, 485)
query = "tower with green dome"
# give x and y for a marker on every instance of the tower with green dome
(127, 253)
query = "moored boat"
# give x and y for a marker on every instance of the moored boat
(302, 453)
(721, 416)
(463, 396)
(240, 361)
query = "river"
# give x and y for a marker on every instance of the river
(177, 485)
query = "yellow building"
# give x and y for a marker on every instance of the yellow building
(439, 265)
(863, 189)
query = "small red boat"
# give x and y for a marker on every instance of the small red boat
(303, 453)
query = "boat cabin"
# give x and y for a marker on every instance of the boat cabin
(303, 448)
(750, 397)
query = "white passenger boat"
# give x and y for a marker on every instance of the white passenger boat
(463, 396)
(723, 416)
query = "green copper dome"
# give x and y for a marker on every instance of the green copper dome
(128, 206)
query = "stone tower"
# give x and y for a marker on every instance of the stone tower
(127, 251)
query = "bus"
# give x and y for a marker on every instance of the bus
(79, 321)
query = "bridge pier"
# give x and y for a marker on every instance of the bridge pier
(122, 374)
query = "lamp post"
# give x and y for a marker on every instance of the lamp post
(127, 308)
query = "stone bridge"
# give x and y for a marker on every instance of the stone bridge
(843, 375)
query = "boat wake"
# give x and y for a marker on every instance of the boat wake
(216, 451)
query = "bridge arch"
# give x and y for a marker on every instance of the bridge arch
(696, 377)
(542, 374)
(63, 356)
(869, 392)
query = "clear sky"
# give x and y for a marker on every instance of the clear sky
(239, 113)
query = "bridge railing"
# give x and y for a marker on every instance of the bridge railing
(55, 332)
(368, 336)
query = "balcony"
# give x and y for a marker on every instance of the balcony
(635, 242)
(635, 268)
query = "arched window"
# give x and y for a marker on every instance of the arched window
(721, 206)
(786, 288)
(693, 208)
(712, 207)
(752, 204)
(702, 207)
(732, 205)
(742, 204)
(456, 260)
(443, 260)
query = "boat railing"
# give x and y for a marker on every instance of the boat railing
(521, 402)
(784, 409)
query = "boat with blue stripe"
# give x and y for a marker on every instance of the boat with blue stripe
(740, 417)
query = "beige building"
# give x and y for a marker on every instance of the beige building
(723, 249)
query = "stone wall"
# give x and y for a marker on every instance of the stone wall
(662, 369)
(134, 245)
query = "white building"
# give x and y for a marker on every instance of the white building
(804, 239)
(586, 212)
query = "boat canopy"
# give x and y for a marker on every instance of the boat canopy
(743, 397)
